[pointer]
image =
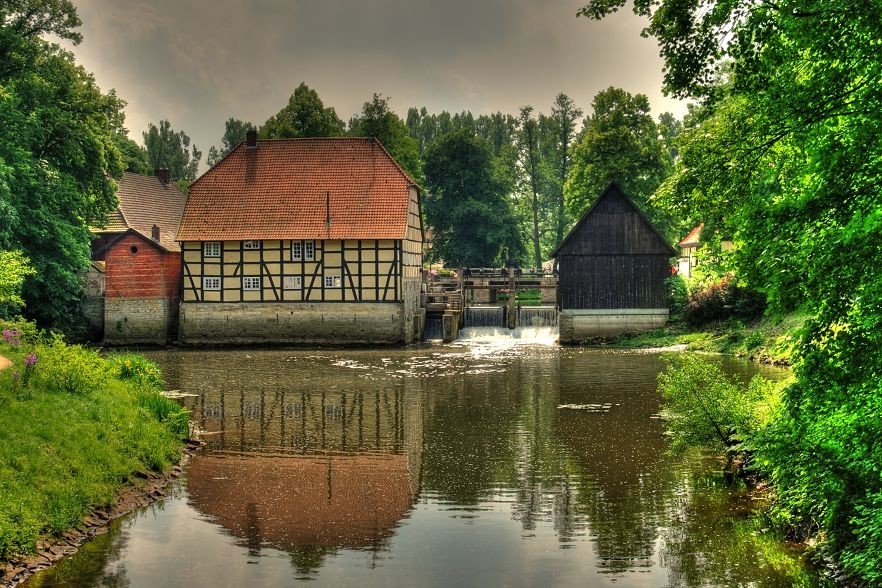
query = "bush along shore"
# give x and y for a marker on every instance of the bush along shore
(83, 439)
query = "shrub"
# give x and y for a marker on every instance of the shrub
(168, 412)
(138, 369)
(678, 295)
(71, 369)
(704, 408)
(721, 300)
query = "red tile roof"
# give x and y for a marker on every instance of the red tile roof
(145, 201)
(286, 188)
(692, 238)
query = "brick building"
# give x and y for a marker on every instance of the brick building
(141, 262)
(315, 240)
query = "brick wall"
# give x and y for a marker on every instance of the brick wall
(337, 323)
(142, 291)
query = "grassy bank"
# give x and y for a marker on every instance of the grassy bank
(766, 340)
(75, 428)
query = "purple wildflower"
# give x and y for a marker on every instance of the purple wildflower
(30, 360)
(16, 375)
(11, 336)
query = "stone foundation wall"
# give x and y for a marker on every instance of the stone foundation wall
(414, 314)
(131, 321)
(335, 323)
(578, 325)
(92, 305)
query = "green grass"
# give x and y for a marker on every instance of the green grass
(66, 452)
(767, 340)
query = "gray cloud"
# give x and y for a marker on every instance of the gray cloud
(198, 63)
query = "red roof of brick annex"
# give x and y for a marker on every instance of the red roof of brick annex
(145, 201)
(288, 189)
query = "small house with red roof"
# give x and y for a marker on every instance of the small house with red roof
(689, 246)
(140, 262)
(313, 240)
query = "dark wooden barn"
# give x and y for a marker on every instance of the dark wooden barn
(612, 271)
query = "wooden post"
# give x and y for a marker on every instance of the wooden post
(511, 313)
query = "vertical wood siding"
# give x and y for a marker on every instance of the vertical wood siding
(613, 259)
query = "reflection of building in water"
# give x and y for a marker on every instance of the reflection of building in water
(308, 470)
(289, 501)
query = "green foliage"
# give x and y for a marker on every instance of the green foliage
(235, 132)
(785, 157)
(678, 296)
(304, 116)
(69, 369)
(619, 142)
(14, 268)
(80, 433)
(138, 369)
(171, 150)
(133, 155)
(377, 120)
(721, 300)
(58, 156)
(464, 193)
(705, 409)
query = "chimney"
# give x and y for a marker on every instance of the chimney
(154, 233)
(163, 175)
(251, 139)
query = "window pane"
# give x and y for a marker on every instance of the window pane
(296, 251)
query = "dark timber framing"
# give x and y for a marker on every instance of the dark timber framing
(369, 270)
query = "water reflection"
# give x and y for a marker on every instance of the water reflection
(465, 465)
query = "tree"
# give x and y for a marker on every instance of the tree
(562, 132)
(304, 116)
(619, 143)
(171, 150)
(134, 156)
(14, 268)
(466, 193)
(528, 146)
(377, 120)
(784, 157)
(58, 156)
(234, 133)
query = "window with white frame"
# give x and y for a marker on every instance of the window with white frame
(332, 281)
(251, 283)
(296, 251)
(212, 248)
(292, 283)
(309, 250)
(211, 283)
(250, 244)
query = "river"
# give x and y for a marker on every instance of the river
(493, 462)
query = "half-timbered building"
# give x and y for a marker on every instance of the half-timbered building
(314, 240)
(613, 268)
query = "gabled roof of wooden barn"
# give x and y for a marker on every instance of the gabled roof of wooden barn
(145, 201)
(310, 188)
(613, 189)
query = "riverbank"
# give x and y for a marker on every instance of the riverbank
(82, 438)
(767, 340)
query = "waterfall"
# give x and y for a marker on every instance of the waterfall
(485, 316)
(433, 330)
(537, 316)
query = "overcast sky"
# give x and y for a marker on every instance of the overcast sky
(199, 63)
